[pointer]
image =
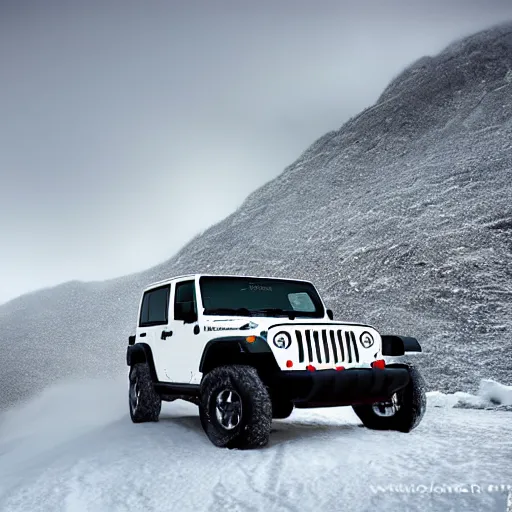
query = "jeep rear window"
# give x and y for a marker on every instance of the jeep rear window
(259, 296)
(155, 307)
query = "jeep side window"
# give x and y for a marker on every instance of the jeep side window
(155, 307)
(185, 302)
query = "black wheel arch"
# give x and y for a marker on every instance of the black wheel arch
(141, 353)
(230, 350)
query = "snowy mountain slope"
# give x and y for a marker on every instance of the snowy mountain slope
(402, 217)
(74, 448)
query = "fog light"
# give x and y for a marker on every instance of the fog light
(250, 339)
(310, 367)
(339, 368)
(380, 364)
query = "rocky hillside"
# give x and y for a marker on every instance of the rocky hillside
(403, 217)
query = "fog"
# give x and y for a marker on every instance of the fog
(129, 127)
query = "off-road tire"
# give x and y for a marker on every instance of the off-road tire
(145, 407)
(281, 409)
(412, 400)
(253, 424)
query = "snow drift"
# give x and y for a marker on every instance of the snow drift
(491, 394)
(495, 392)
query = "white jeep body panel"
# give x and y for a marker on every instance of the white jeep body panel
(296, 344)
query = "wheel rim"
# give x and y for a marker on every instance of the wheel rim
(134, 394)
(387, 409)
(228, 409)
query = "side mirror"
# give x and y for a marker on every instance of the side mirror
(185, 311)
(131, 340)
(190, 317)
(330, 314)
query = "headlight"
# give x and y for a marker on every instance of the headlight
(282, 340)
(366, 339)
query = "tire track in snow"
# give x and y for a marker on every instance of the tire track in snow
(268, 470)
(225, 499)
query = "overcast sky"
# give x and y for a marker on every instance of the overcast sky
(127, 127)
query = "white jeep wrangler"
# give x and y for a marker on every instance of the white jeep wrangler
(249, 349)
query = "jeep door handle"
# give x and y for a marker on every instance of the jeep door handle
(142, 335)
(165, 335)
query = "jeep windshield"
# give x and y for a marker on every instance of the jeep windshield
(242, 296)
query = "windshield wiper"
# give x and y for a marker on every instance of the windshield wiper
(277, 312)
(227, 311)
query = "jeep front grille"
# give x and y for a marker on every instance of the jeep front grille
(327, 346)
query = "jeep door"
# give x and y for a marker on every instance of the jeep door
(188, 338)
(153, 322)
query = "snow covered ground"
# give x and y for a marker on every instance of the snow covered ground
(73, 448)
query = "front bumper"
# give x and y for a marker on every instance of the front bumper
(326, 388)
